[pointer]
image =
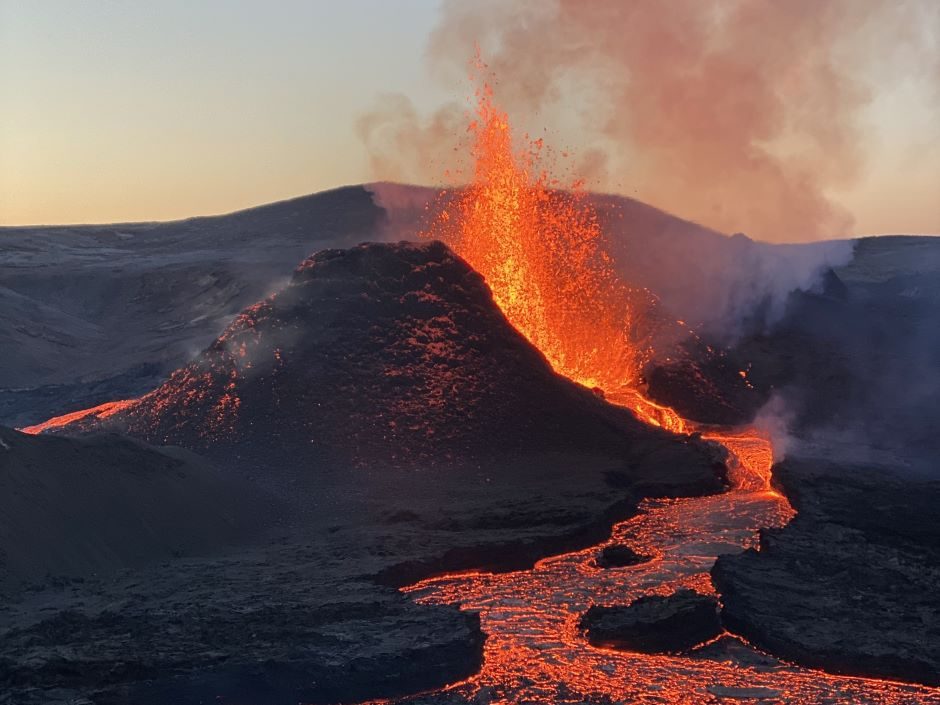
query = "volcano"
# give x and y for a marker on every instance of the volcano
(380, 355)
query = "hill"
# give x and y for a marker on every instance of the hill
(381, 356)
(75, 507)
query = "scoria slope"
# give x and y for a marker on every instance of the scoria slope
(382, 355)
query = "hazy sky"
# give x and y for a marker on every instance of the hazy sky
(117, 111)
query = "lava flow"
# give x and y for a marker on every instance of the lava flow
(102, 411)
(541, 252)
(535, 651)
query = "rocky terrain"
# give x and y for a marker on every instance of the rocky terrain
(403, 429)
(619, 556)
(73, 508)
(856, 366)
(654, 624)
(850, 584)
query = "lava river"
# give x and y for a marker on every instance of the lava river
(535, 652)
(542, 253)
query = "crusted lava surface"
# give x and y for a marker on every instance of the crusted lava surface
(655, 623)
(850, 584)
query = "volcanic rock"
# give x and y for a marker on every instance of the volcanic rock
(705, 384)
(850, 585)
(655, 624)
(619, 556)
(386, 355)
(73, 507)
(406, 429)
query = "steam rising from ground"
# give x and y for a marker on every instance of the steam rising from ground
(742, 115)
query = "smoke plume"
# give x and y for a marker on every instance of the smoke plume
(742, 115)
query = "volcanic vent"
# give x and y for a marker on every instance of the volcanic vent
(380, 354)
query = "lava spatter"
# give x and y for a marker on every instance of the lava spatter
(541, 251)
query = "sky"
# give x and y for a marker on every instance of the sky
(127, 111)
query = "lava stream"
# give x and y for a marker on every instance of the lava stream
(102, 411)
(535, 651)
(541, 252)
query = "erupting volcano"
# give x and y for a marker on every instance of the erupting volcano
(541, 249)
(583, 389)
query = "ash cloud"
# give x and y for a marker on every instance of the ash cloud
(743, 115)
(403, 145)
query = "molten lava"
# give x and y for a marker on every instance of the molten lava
(102, 411)
(541, 250)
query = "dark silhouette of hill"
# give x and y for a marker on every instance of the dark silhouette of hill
(93, 312)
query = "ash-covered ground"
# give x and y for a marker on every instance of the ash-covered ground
(259, 562)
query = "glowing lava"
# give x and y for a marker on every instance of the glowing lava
(535, 652)
(541, 250)
(102, 411)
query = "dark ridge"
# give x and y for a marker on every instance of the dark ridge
(654, 624)
(849, 585)
(70, 508)
(390, 675)
(619, 556)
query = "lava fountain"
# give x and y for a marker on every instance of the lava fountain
(541, 250)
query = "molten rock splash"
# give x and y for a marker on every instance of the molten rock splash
(542, 252)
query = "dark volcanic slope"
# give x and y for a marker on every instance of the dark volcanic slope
(91, 312)
(851, 584)
(386, 355)
(75, 507)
